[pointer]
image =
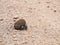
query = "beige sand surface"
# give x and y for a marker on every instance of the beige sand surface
(42, 17)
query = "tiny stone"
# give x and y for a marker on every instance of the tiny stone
(48, 2)
(48, 6)
(20, 25)
(39, 2)
(14, 20)
(16, 17)
(54, 10)
(1, 19)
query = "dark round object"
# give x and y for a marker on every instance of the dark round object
(20, 25)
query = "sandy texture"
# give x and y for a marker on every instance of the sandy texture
(42, 17)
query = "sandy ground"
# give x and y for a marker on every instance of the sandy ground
(42, 17)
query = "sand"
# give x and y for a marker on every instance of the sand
(42, 18)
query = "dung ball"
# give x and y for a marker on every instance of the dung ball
(20, 25)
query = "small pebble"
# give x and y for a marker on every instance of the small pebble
(16, 17)
(20, 25)
(48, 6)
(39, 2)
(54, 10)
(1, 19)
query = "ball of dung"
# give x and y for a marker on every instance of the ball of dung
(20, 25)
